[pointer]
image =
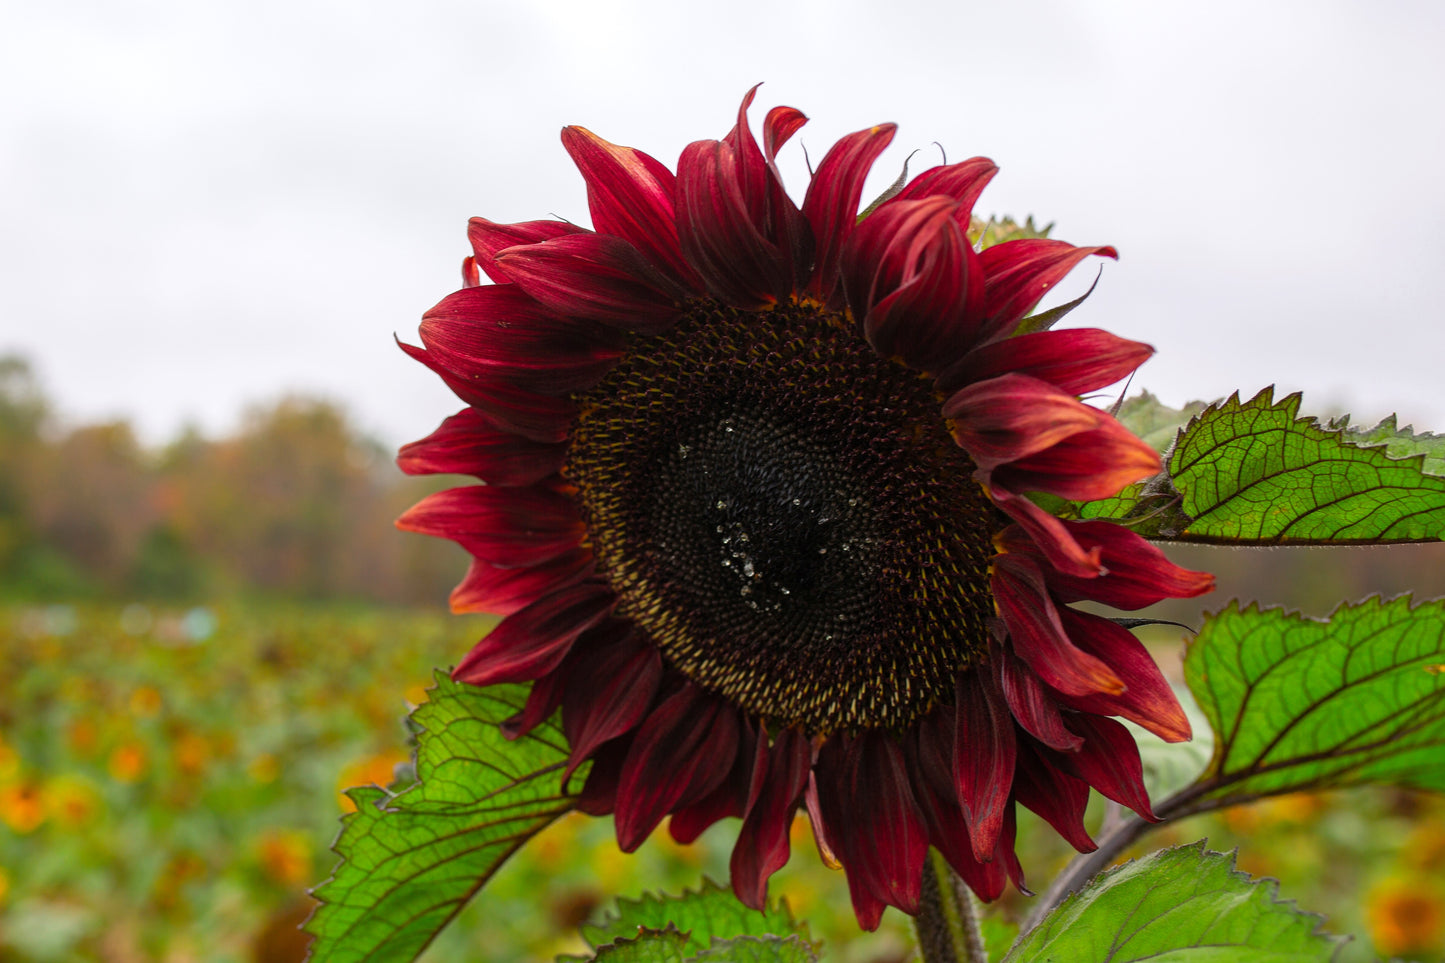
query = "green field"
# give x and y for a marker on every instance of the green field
(169, 788)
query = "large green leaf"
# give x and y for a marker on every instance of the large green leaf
(411, 860)
(1399, 442)
(708, 914)
(1256, 473)
(645, 946)
(1299, 703)
(1180, 905)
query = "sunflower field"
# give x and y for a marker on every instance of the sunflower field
(170, 785)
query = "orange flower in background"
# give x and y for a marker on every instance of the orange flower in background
(1406, 916)
(72, 801)
(145, 702)
(127, 762)
(192, 752)
(21, 807)
(285, 856)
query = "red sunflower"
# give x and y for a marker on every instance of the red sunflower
(756, 509)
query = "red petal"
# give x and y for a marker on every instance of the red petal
(631, 196)
(599, 793)
(471, 277)
(499, 333)
(868, 806)
(1075, 361)
(596, 276)
(526, 413)
(732, 796)
(681, 753)
(533, 641)
(962, 182)
(1037, 633)
(1136, 573)
(1109, 761)
(502, 591)
(542, 701)
(736, 224)
(1148, 701)
(762, 844)
(1031, 703)
(983, 757)
(1020, 273)
(611, 689)
(910, 274)
(504, 526)
(831, 204)
(489, 237)
(1049, 534)
(1056, 796)
(1010, 417)
(1091, 464)
(468, 444)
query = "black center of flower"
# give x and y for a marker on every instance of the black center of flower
(787, 517)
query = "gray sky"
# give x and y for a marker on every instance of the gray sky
(205, 205)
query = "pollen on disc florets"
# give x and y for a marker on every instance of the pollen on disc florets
(785, 514)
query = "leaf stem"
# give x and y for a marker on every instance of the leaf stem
(947, 920)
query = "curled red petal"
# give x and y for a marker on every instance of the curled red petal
(1012, 416)
(831, 204)
(1037, 632)
(489, 238)
(984, 752)
(1149, 700)
(1021, 272)
(962, 183)
(681, 752)
(763, 843)
(611, 688)
(1075, 360)
(501, 590)
(533, 641)
(469, 444)
(471, 277)
(597, 277)
(911, 277)
(504, 526)
(630, 195)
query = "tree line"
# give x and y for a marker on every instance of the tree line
(297, 503)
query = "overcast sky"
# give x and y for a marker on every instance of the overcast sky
(205, 205)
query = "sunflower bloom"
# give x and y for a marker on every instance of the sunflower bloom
(756, 507)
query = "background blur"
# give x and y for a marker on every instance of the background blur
(214, 217)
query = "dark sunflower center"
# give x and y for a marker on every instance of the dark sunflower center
(786, 515)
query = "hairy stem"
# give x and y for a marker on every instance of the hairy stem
(947, 920)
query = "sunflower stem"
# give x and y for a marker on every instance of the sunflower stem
(947, 920)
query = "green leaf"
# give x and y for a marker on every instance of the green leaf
(1154, 421)
(1171, 766)
(1399, 442)
(1179, 905)
(647, 946)
(411, 860)
(1256, 473)
(1299, 703)
(710, 913)
(759, 949)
